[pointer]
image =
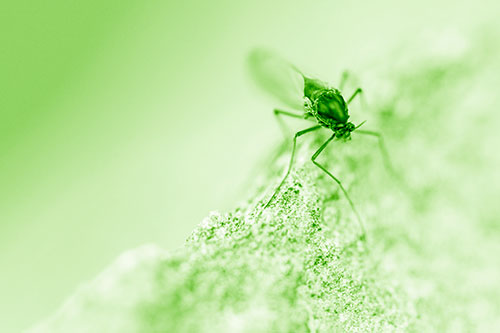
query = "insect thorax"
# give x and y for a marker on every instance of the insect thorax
(328, 107)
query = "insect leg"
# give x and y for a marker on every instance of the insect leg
(300, 133)
(278, 113)
(383, 150)
(358, 91)
(313, 159)
(343, 79)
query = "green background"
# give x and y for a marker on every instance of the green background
(126, 122)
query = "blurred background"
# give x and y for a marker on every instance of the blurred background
(126, 122)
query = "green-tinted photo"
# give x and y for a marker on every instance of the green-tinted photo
(259, 166)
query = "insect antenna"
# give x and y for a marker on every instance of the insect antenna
(360, 125)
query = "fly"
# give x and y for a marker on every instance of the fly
(316, 101)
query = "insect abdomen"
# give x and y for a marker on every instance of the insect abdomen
(312, 88)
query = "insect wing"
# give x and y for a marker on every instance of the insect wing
(278, 77)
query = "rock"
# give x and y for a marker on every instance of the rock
(300, 265)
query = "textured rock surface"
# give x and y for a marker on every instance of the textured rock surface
(428, 263)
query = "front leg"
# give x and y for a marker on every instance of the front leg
(383, 150)
(300, 133)
(313, 159)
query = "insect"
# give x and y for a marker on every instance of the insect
(316, 102)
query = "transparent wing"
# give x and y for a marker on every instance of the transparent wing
(278, 77)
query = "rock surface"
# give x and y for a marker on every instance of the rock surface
(428, 262)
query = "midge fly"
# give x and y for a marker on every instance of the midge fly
(317, 102)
